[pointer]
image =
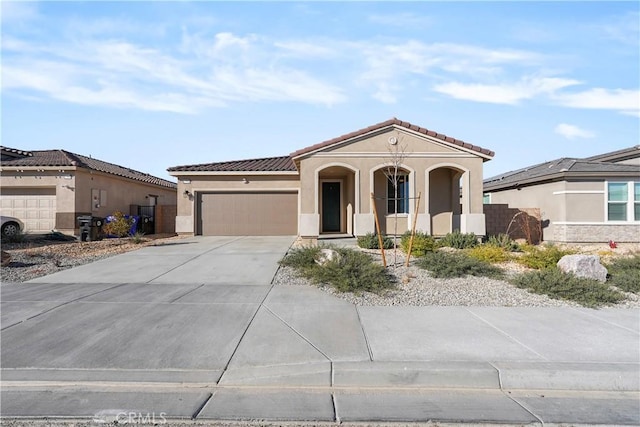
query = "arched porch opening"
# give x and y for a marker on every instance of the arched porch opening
(337, 199)
(448, 198)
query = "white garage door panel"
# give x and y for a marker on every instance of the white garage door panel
(38, 212)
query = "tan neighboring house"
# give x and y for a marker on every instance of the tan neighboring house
(49, 189)
(595, 199)
(325, 189)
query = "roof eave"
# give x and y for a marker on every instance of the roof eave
(230, 173)
(555, 177)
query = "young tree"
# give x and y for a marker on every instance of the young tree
(394, 174)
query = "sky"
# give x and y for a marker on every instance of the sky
(150, 85)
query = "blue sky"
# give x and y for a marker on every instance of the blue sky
(150, 85)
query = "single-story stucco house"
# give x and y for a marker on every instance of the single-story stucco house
(594, 199)
(326, 189)
(49, 189)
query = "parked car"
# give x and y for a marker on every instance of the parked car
(11, 226)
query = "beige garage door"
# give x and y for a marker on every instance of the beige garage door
(248, 214)
(35, 207)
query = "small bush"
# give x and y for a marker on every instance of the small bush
(542, 258)
(119, 226)
(354, 272)
(443, 264)
(138, 238)
(489, 253)
(370, 241)
(504, 241)
(624, 273)
(422, 243)
(459, 240)
(558, 285)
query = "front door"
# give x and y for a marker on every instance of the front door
(330, 207)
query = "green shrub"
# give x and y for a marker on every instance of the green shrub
(370, 241)
(119, 226)
(503, 241)
(459, 240)
(489, 253)
(624, 273)
(558, 285)
(422, 243)
(354, 272)
(443, 264)
(138, 238)
(542, 257)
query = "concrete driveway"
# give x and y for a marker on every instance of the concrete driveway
(194, 329)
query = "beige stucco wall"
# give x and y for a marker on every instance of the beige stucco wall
(73, 192)
(571, 209)
(422, 158)
(185, 219)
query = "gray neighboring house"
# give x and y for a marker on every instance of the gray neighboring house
(594, 199)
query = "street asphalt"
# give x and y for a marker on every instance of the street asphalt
(194, 330)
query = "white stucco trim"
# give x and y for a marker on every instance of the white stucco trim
(246, 190)
(353, 154)
(578, 192)
(596, 223)
(412, 183)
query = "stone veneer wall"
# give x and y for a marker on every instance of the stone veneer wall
(574, 233)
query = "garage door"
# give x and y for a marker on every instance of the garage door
(248, 214)
(35, 207)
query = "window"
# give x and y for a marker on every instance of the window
(636, 198)
(398, 201)
(623, 201)
(486, 198)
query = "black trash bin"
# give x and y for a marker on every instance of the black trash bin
(84, 223)
(96, 228)
(90, 227)
(146, 225)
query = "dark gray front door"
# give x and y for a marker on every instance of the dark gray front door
(331, 207)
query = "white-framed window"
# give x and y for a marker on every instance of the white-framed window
(623, 201)
(486, 199)
(398, 198)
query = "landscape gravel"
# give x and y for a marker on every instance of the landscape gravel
(416, 287)
(36, 256)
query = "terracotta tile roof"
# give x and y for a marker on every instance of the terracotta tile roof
(267, 164)
(390, 123)
(46, 158)
(558, 169)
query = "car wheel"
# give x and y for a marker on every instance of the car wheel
(10, 229)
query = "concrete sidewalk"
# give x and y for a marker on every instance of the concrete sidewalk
(196, 331)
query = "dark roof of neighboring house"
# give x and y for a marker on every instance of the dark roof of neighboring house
(267, 164)
(556, 169)
(46, 158)
(617, 156)
(389, 123)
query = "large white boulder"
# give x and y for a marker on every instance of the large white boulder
(327, 255)
(587, 266)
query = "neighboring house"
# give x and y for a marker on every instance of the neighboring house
(325, 189)
(595, 199)
(49, 189)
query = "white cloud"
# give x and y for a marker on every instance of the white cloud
(125, 75)
(506, 93)
(18, 12)
(572, 132)
(623, 100)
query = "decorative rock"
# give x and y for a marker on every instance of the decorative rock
(6, 258)
(587, 266)
(327, 255)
